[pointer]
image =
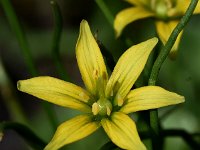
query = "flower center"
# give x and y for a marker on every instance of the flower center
(102, 107)
(161, 7)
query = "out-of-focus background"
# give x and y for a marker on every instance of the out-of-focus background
(36, 17)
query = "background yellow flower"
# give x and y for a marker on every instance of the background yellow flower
(165, 12)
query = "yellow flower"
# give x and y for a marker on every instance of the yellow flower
(166, 13)
(105, 102)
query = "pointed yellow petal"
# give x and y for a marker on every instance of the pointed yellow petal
(72, 130)
(90, 59)
(129, 15)
(128, 68)
(122, 131)
(197, 9)
(150, 97)
(182, 6)
(56, 91)
(164, 30)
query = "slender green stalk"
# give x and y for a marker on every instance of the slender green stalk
(106, 11)
(9, 96)
(25, 132)
(56, 40)
(187, 137)
(15, 26)
(154, 121)
(166, 49)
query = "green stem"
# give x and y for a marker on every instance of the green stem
(15, 26)
(9, 96)
(154, 121)
(187, 137)
(166, 49)
(106, 11)
(56, 40)
(28, 135)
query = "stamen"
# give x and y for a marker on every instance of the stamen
(95, 109)
(120, 102)
(83, 96)
(108, 111)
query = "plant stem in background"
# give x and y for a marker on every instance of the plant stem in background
(56, 40)
(106, 11)
(187, 137)
(15, 26)
(27, 134)
(154, 121)
(9, 97)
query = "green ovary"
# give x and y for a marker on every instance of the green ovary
(161, 7)
(102, 107)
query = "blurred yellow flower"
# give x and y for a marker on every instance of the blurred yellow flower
(166, 13)
(105, 102)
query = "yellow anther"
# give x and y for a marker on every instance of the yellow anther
(120, 102)
(108, 111)
(83, 96)
(95, 109)
(102, 107)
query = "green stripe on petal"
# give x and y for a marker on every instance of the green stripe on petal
(127, 70)
(164, 30)
(121, 129)
(90, 59)
(56, 91)
(72, 130)
(150, 97)
(129, 15)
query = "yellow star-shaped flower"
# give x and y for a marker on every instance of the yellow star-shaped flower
(105, 102)
(166, 13)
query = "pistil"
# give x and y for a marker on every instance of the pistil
(161, 7)
(102, 107)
